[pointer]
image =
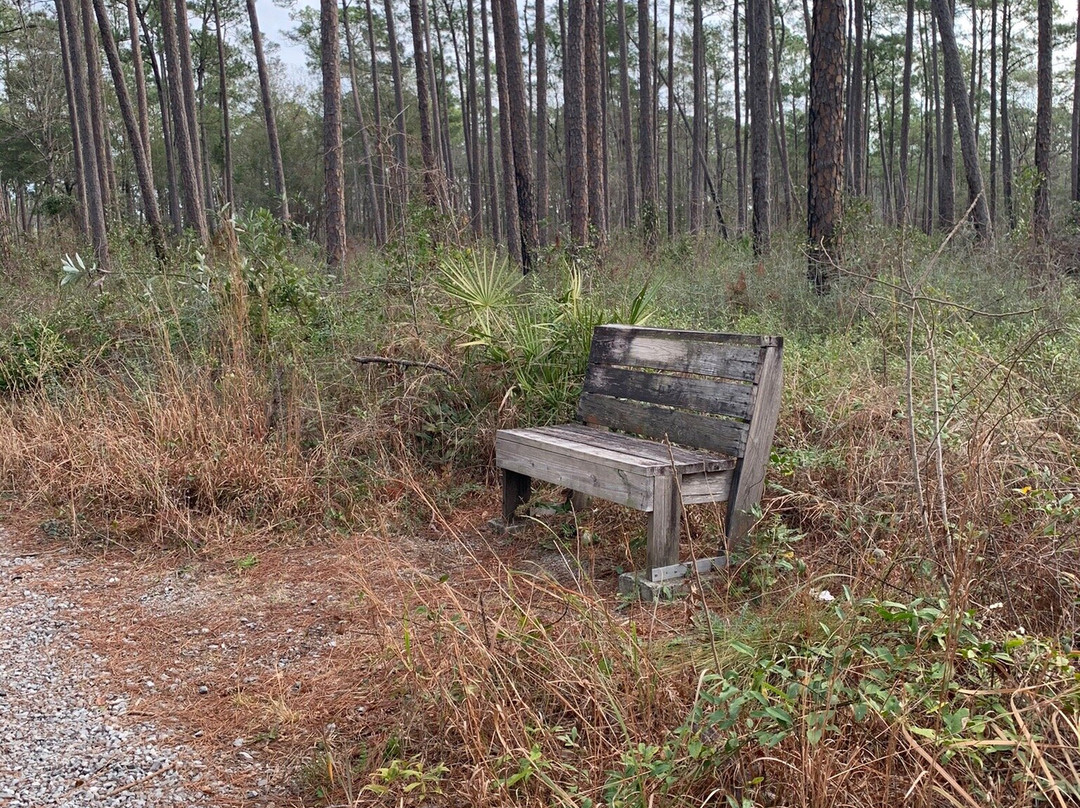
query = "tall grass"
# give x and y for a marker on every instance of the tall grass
(904, 629)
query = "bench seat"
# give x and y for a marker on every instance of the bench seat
(668, 418)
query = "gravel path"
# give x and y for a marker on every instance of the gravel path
(65, 736)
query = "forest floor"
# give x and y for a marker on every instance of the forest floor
(252, 661)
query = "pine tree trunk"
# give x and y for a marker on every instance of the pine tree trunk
(626, 115)
(780, 126)
(903, 214)
(954, 79)
(758, 99)
(223, 101)
(472, 123)
(489, 128)
(1040, 220)
(131, 124)
(1074, 151)
(333, 162)
(98, 114)
(194, 212)
(697, 137)
(400, 140)
(141, 101)
(371, 169)
(1006, 126)
(427, 143)
(646, 129)
(175, 213)
(511, 212)
(540, 35)
(519, 131)
(993, 114)
(671, 124)
(577, 157)
(69, 12)
(380, 142)
(276, 164)
(73, 124)
(594, 123)
(825, 141)
(186, 76)
(856, 105)
(740, 159)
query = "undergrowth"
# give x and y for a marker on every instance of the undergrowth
(903, 628)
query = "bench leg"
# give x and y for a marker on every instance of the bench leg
(662, 547)
(579, 501)
(515, 490)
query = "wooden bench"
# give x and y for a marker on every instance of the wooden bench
(669, 418)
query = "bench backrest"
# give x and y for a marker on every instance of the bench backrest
(694, 388)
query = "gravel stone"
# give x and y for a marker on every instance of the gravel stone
(65, 740)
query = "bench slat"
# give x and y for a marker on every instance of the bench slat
(685, 460)
(697, 394)
(690, 429)
(575, 470)
(674, 351)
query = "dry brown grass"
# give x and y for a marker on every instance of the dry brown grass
(152, 460)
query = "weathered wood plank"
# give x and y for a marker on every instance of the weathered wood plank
(702, 431)
(594, 479)
(683, 459)
(662, 542)
(748, 479)
(680, 352)
(705, 487)
(684, 392)
(515, 490)
(565, 444)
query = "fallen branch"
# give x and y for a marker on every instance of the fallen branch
(405, 363)
(141, 780)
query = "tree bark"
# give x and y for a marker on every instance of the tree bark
(276, 164)
(740, 160)
(73, 123)
(954, 78)
(626, 118)
(131, 124)
(646, 129)
(594, 123)
(577, 157)
(194, 212)
(697, 166)
(1006, 126)
(223, 100)
(141, 101)
(1040, 220)
(489, 127)
(427, 144)
(400, 139)
(670, 189)
(856, 111)
(825, 141)
(98, 115)
(333, 162)
(175, 213)
(69, 12)
(758, 98)
(1074, 173)
(993, 113)
(379, 222)
(540, 35)
(511, 213)
(186, 76)
(905, 116)
(519, 130)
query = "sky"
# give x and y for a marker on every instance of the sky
(274, 20)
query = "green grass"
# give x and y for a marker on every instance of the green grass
(924, 475)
